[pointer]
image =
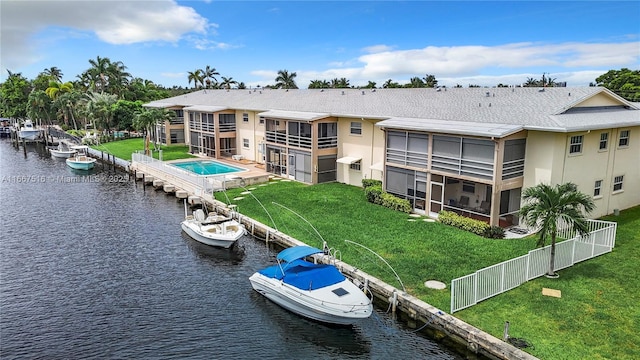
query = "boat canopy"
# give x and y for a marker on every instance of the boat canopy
(297, 252)
(305, 275)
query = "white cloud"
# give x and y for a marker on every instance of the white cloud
(576, 63)
(377, 49)
(124, 22)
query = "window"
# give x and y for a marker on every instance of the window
(261, 120)
(624, 138)
(245, 143)
(604, 138)
(356, 165)
(596, 188)
(356, 128)
(468, 187)
(575, 146)
(245, 117)
(617, 183)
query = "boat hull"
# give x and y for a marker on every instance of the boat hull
(222, 235)
(83, 164)
(62, 154)
(320, 305)
(30, 135)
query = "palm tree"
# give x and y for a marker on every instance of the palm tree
(416, 82)
(55, 89)
(227, 82)
(196, 76)
(209, 73)
(39, 106)
(98, 73)
(100, 109)
(284, 80)
(430, 81)
(53, 73)
(545, 206)
(146, 119)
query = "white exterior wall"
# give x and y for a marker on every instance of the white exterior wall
(369, 146)
(548, 161)
(252, 130)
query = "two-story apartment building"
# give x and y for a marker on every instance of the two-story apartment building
(466, 150)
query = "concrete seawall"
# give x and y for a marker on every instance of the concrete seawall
(441, 326)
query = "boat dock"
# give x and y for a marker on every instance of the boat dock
(441, 326)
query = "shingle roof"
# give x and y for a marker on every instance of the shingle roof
(526, 107)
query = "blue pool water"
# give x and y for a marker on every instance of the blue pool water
(207, 167)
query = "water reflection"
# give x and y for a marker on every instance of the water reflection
(335, 340)
(213, 255)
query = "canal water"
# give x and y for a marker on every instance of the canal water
(92, 265)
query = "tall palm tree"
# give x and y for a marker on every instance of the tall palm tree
(209, 73)
(98, 73)
(146, 119)
(196, 76)
(545, 206)
(227, 82)
(53, 73)
(285, 80)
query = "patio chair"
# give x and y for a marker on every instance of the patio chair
(485, 206)
(464, 201)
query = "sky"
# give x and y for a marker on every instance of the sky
(459, 42)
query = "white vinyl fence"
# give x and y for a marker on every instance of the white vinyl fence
(468, 290)
(206, 184)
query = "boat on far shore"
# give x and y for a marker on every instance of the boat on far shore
(81, 160)
(62, 151)
(28, 131)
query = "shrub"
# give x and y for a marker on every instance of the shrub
(371, 182)
(374, 194)
(494, 232)
(475, 226)
(395, 203)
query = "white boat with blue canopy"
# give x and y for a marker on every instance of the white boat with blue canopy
(316, 291)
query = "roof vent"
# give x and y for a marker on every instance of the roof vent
(373, 90)
(343, 93)
(362, 92)
(569, 94)
(489, 104)
(438, 89)
(321, 90)
(488, 94)
(541, 90)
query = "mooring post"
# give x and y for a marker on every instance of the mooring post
(24, 146)
(505, 335)
(394, 302)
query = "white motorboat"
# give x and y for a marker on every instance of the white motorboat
(214, 229)
(316, 291)
(28, 131)
(62, 151)
(81, 160)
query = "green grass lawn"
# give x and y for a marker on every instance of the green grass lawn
(597, 316)
(124, 148)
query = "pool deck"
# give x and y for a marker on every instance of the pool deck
(252, 168)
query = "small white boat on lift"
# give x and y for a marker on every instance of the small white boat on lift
(316, 291)
(62, 151)
(28, 131)
(81, 160)
(214, 229)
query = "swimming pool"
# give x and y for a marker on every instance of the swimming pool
(207, 167)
